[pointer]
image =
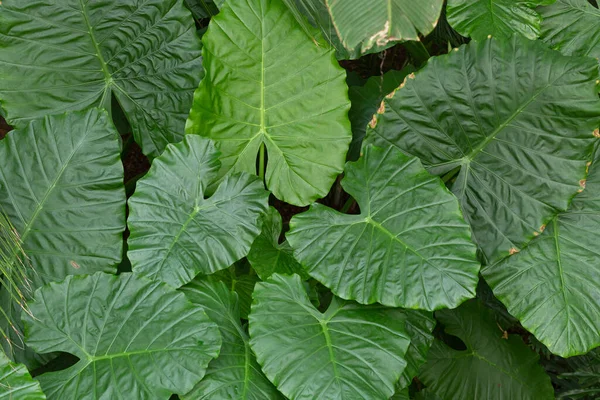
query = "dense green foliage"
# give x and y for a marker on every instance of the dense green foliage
(299, 199)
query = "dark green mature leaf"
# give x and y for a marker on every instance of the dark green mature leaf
(551, 286)
(267, 256)
(572, 27)
(515, 118)
(349, 352)
(297, 110)
(491, 367)
(235, 374)
(61, 185)
(74, 54)
(409, 247)
(356, 30)
(16, 383)
(365, 100)
(204, 8)
(419, 325)
(240, 280)
(499, 18)
(133, 337)
(177, 233)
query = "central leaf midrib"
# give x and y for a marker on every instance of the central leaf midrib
(107, 74)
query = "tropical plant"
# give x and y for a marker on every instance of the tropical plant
(299, 199)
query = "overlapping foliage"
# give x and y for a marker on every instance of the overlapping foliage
(428, 232)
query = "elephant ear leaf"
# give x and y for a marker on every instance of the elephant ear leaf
(493, 366)
(499, 18)
(293, 116)
(235, 374)
(76, 54)
(409, 247)
(350, 351)
(131, 335)
(513, 161)
(572, 27)
(267, 256)
(177, 233)
(551, 286)
(16, 383)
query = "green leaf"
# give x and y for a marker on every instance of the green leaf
(490, 368)
(76, 54)
(16, 383)
(512, 121)
(61, 186)
(204, 8)
(357, 30)
(365, 100)
(499, 18)
(419, 325)
(267, 256)
(409, 247)
(296, 110)
(551, 286)
(235, 374)
(133, 337)
(572, 27)
(177, 233)
(349, 352)
(238, 279)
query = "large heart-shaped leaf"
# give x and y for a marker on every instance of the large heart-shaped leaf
(499, 18)
(365, 100)
(267, 256)
(235, 374)
(491, 367)
(572, 27)
(409, 247)
(356, 30)
(74, 54)
(177, 233)
(552, 286)
(61, 185)
(349, 352)
(132, 336)
(16, 383)
(297, 111)
(512, 120)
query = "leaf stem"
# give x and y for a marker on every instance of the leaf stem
(261, 162)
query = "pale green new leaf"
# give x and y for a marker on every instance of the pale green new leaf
(177, 233)
(499, 18)
(551, 286)
(65, 55)
(572, 27)
(491, 367)
(512, 121)
(133, 337)
(16, 383)
(356, 29)
(349, 352)
(267, 256)
(256, 93)
(409, 247)
(235, 374)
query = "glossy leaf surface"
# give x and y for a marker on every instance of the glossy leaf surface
(349, 352)
(177, 233)
(256, 94)
(553, 286)
(499, 18)
(16, 383)
(572, 27)
(76, 54)
(510, 123)
(491, 367)
(131, 335)
(235, 374)
(409, 247)
(267, 256)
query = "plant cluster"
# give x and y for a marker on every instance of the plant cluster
(420, 223)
